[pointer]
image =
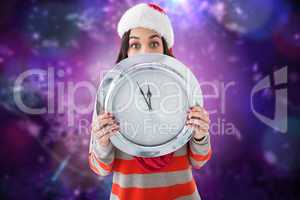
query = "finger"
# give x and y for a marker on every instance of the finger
(201, 112)
(111, 131)
(104, 123)
(105, 139)
(100, 117)
(203, 126)
(107, 121)
(198, 122)
(106, 130)
(105, 115)
(199, 129)
(107, 136)
(198, 109)
(198, 115)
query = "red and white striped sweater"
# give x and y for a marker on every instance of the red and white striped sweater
(131, 182)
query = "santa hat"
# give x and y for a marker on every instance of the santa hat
(149, 16)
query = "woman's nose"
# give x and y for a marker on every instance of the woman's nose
(145, 49)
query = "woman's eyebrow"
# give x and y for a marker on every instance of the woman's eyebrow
(153, 36)
(134, 37)
(150, 37)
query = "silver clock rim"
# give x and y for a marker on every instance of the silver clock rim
(156, 61)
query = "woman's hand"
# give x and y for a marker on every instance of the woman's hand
(198, 119)
(104, 127)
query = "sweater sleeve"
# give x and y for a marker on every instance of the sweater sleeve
(199, 152)
(100, 158)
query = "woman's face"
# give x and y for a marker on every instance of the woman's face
(143, 40)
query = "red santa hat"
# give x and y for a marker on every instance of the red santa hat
(149, 16)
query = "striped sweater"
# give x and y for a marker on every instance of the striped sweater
(131, 182)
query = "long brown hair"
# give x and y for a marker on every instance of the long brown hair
(125, 46)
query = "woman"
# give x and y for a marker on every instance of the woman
(145, 28)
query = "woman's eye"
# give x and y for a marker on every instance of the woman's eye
(135, 46)
(154, 44)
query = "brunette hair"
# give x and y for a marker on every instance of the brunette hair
(125, 46)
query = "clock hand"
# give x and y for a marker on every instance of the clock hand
(149, 94)
(143, 96)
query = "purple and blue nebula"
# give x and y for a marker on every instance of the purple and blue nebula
(229, 45)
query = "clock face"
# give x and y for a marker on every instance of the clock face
(151, 105)
(149, 94)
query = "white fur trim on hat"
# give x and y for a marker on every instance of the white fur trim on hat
(148, 16)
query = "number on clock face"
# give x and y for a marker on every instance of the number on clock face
(151, 106)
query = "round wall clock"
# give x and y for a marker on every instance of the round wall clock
(149, 94)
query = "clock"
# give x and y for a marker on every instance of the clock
(149, 94)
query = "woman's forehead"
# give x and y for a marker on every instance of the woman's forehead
(143, 32)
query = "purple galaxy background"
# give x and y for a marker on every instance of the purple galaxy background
(230, 44)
